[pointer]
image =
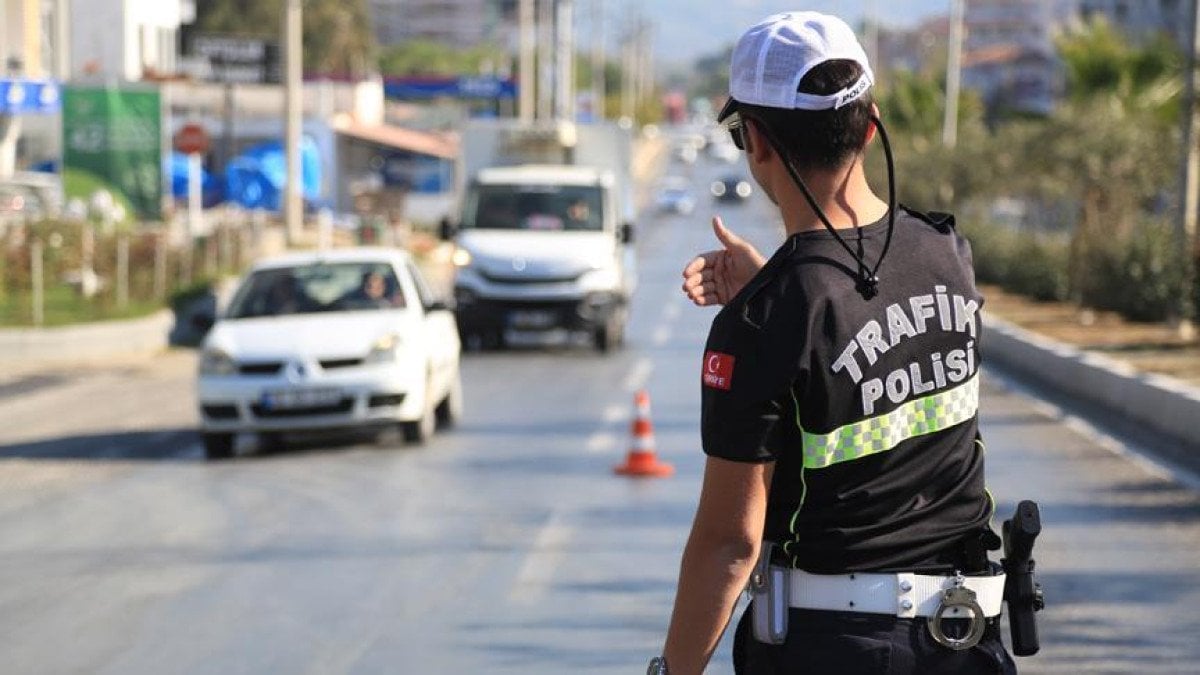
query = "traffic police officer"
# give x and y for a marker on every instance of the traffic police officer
(840, 397)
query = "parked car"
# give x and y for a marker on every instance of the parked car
(330, 339)
(731, 188)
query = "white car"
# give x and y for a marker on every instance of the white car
(332, 339)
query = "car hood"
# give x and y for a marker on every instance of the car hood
(501, 253)
(324, 335)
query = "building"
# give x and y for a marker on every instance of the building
(1141, 19)
(29, 69)
(126, 40)
(459, 23)
(1009, 56)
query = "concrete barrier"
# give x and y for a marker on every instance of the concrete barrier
(26, 348)
(1165, 406)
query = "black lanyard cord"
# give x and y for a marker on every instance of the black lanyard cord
(868, 279)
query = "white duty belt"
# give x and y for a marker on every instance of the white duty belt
(903, 595)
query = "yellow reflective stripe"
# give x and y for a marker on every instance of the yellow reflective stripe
(878, 434)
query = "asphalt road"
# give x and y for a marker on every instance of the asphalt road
(505, 546)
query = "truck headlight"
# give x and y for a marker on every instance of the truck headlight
(384, 349)
(461, 257)
(214, 361)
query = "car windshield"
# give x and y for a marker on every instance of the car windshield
(320, 287)
(535, 207)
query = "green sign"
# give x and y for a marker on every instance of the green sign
(112, 150)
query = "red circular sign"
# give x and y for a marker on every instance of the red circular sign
(192, 138)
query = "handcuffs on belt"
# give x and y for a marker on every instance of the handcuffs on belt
(952, 600)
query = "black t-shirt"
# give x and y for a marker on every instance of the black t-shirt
(868, 407)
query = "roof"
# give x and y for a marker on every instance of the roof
(368, 254)
(420, 142)
(549, 174)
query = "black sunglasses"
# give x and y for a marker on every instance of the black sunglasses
(734, 123)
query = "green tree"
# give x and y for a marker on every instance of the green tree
(427, 57)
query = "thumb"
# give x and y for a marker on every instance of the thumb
(727, 238)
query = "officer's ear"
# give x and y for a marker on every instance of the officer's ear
(757, 147)
(871, 128)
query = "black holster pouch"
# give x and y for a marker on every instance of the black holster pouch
(1022, 592)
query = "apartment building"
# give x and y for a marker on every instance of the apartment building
(461, 23)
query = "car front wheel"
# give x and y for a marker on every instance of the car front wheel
(450, 410)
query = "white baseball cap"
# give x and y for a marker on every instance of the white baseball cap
(772, 57)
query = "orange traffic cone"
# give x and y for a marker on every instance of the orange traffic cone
(641, 460)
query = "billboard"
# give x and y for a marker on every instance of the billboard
(112, 142)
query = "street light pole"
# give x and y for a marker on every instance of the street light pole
(1185, 229)
(525, 60)
(598, 84)
(564, 105)
(953, 75)
(293, 207)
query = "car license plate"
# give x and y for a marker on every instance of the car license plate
(531, 319)
(288, 399)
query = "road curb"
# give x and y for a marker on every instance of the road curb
(31, 348)
(1155, 403)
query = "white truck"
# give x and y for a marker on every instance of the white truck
(544, 231)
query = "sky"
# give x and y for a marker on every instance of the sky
(687, 29)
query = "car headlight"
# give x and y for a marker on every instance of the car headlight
(743, 189)
(216, 362)
(717, 188)
(461, 257)
(384, 349)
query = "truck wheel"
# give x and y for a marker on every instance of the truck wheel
(217, 446)
(605, 338)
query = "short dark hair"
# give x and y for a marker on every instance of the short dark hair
(819, 139)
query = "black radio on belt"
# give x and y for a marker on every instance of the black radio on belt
(1022, 593)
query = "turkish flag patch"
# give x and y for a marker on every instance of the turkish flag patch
(718, 370)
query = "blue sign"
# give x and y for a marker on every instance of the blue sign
(19, 96)
(452, 87)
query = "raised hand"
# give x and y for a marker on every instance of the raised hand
(714, 277)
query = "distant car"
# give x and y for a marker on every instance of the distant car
(331, 339)
(732, 188)
(724, 151)
(675, 196)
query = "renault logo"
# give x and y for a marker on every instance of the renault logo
(295, 371)
(518, 264)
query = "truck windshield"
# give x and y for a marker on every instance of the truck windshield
(534, 207)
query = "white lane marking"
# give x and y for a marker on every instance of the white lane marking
(673, 309)
(547, 552)
(614, 413)
(636, 379)
(601, 442)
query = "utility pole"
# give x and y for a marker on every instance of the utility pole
(598, 84)
(62, 41)
(545, 93)
(293, 206)
(953, 75)
(628, 65)
(871, 28)
(1185, 230)
(525, 60)
(564, 105)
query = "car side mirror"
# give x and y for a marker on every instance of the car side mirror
(626, 233)
(446, 229)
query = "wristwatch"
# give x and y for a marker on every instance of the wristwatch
(658, 666)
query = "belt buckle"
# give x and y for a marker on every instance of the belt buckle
(953, 598)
